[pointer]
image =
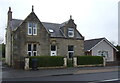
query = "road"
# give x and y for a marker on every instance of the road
(93, 77)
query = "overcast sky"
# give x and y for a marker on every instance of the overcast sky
(94, 18)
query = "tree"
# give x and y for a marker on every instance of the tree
(3, 50)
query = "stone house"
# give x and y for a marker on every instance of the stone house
(100, 47)
(31, 37)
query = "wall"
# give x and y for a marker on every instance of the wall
(103, 46)
(62, 46)
(8, 46)
(21, 39)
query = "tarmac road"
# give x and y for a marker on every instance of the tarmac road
(92, 77)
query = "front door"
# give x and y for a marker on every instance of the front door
(70, 51)
(70, 55)
(53, 50)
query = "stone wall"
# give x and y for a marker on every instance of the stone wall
(21, 39)
(62, 46)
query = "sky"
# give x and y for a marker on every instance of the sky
(94, 18)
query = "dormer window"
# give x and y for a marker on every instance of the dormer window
(32, 28)
(70, 32)
(51, 30)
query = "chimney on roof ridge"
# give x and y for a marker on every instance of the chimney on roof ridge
(32, 8)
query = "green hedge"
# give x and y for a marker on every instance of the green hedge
(48, 61)
(89, 60)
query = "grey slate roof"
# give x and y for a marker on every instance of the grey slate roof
(55, 27)
(15, 23)
(88, 44)
(57, 32)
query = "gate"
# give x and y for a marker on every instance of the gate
(70, 62)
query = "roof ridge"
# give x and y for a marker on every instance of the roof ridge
(17, 19)
(51, 23)
(95, 39)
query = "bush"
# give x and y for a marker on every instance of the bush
(89, 60)
(48, 61)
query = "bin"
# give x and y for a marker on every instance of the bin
(34, 64)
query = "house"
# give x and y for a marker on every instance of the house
(31, 37)
(100, 47)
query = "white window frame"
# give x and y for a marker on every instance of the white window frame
(29, 29)
(35, 28)
(53, 51)
(32, 51)
(29, 52)
(71, 30)
(32, 28)
(103, 53)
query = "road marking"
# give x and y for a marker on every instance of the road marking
(105, 81)
(109, 80)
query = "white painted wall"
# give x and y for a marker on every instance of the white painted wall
(103, 46)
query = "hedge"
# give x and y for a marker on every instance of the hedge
(47, 61)
(89, 60)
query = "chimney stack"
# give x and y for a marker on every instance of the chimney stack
(9, 14)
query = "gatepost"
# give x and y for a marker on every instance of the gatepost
(65, 62)
(104, 62)
(75, 61)
(26, 63)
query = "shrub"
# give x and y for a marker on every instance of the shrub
(89, 60)
(48, 61)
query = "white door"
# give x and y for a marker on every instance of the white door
(53, 50)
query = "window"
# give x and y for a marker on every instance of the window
(103, 53)
(53, 48)
(32, 28)
(70, 48)
(29, 50)
(51, 31)
(70, 32)
(32, 49)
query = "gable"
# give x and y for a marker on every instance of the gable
(102, 45)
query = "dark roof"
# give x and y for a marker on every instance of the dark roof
(64, 23)
(88, 44)
(57, 32)
(15, 23)
(55, 27)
